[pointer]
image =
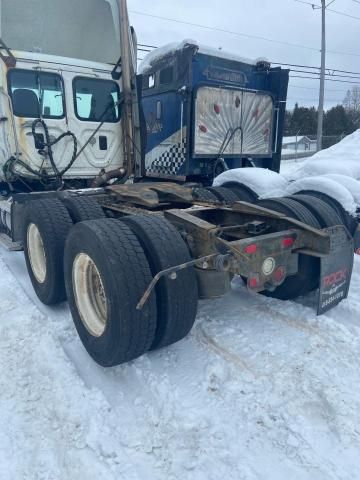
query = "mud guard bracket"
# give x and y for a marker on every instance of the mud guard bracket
(336, 269)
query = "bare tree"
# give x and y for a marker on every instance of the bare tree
(351, 104)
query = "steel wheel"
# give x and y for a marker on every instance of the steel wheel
(36, 252)
(89, 295)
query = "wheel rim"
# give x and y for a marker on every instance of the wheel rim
(89, 295)
(36, 251)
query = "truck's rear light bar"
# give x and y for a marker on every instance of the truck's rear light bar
(288, 242)
(279, 275)
(253, 282)
(251, 249)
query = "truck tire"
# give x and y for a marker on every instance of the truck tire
(106, 274)
(176, 299)
(83, 208)
(224, 195)
(347, 220)
(324, 213)
(203, 195)
(45, 228)
(242, 192)
(308, 275)
(291, 208)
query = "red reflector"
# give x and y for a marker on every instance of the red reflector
(217, 109)
(253, 282)
(279, 274)
(251, 249)
(203, 128)
(288, 242)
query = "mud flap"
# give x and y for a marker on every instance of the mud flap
(357, 241)
(336, 269)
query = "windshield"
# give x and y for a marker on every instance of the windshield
(233, 122)
(83, 29)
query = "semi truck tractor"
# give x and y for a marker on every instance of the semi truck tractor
(107, 178)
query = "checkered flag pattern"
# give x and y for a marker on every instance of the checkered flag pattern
(170, 162)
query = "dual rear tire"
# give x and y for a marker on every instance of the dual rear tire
(314, 212)
(103, 267)
(109, 265)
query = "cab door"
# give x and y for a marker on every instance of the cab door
(165, 110)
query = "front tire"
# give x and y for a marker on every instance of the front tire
(46, 225)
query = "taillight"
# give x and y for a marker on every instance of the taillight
(279, 275)
(253, 282)
(288, 242)
(251, 249)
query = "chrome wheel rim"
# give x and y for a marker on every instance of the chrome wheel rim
(89, 295)
(36, 251)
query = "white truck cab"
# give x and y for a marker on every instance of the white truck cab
(67, 96)
(58, 68)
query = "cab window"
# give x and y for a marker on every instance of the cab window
(36, 94)
(167, 76)
(96, 100)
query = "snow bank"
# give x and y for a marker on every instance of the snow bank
(325, 185)
(265, 183)
(340, 159)
(169, 49)
(349, 183)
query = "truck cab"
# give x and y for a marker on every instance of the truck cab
(48, 73)
(207, 111)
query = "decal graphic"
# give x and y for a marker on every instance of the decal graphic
(225, 75)
(336, 269)
(153, 125)
(169, 157)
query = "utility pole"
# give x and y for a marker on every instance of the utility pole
(322, 77)
(323, 8)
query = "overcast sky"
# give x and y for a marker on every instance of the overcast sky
(281, 20)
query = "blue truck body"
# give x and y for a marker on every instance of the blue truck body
(206, 112)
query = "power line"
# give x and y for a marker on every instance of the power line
(326, 74)
(315, 6)
(315, 68)
(314, 88)
(238, 34)
(343, 14)
(328, 100)
(326, 79)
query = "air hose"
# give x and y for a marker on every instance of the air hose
(47, 145)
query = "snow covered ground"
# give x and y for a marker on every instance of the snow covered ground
(261, 390)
